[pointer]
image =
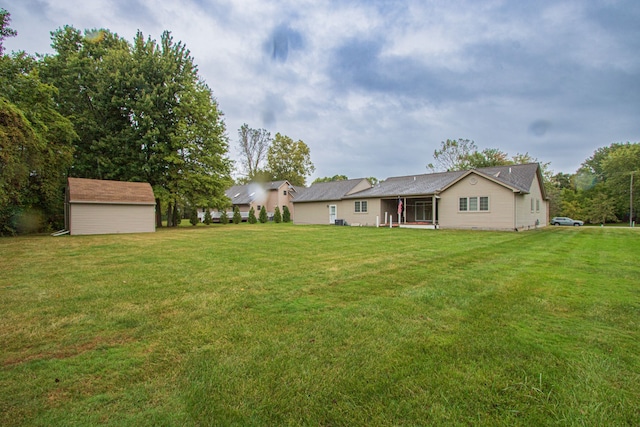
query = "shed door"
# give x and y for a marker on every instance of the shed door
(333, 214)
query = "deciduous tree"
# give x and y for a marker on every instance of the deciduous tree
(331, 179)
(452, 154)
(289, 160)
(142, 114)
(253, 145)
(5, 30)
(35, 146)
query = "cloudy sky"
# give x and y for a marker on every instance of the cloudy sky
(374, 86)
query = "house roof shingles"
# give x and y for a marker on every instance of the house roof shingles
(334, 190)
(517, 177)
(82, 190)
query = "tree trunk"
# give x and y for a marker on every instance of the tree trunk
(169, 215)
(176, 215)
(158, 214)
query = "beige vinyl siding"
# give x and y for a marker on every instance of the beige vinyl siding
(313, 212)
(278, 198)
(318, 212)
(500, 215)
(96, 218)
(367, 218)
(527, 218)
(362, 185)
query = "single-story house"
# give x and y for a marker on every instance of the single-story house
(497, 198)
(256, 195)
(94, 206)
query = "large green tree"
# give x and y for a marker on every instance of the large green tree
(462, 154)
(35, 145)
(621, 172)
(83, 69)
(142, 114)
(289, 160)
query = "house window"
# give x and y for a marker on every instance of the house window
(284, 192)
(537, 205)
(484, 203)
(360, 206)
(532, 205)
(474, 204)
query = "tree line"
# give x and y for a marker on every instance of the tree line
(602, 190)
(264, 158)
(104, 108)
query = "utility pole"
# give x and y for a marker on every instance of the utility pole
(631, 201)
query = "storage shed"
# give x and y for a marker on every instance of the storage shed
(94, 206)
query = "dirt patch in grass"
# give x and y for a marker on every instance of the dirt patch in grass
(71, 351)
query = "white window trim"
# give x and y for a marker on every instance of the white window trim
(478, 204)
(358, 206)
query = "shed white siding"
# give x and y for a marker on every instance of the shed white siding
(98, 218)
(96, 206)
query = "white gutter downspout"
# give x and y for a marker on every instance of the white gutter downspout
(515, 213)
(433, 209)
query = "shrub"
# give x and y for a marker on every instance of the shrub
(193, 216)
(286, 214)
(237, 218)
(252, 216)
(277, 216)
(224, 219)
(263, 215)
(207, 216)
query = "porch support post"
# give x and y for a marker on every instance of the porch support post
(404, 213)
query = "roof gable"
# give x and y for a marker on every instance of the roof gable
(517, 178)
(82, 190)
(411, 185)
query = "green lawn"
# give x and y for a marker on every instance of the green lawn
(276, 324)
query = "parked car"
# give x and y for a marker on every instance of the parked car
(563, 220)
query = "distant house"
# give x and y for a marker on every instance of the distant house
(94, 206)
(256, 195)
(496, 198)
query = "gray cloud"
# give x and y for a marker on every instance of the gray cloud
(374, 86)
(539, 127)
(282, 41)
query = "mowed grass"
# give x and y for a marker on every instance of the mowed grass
(264, 325)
